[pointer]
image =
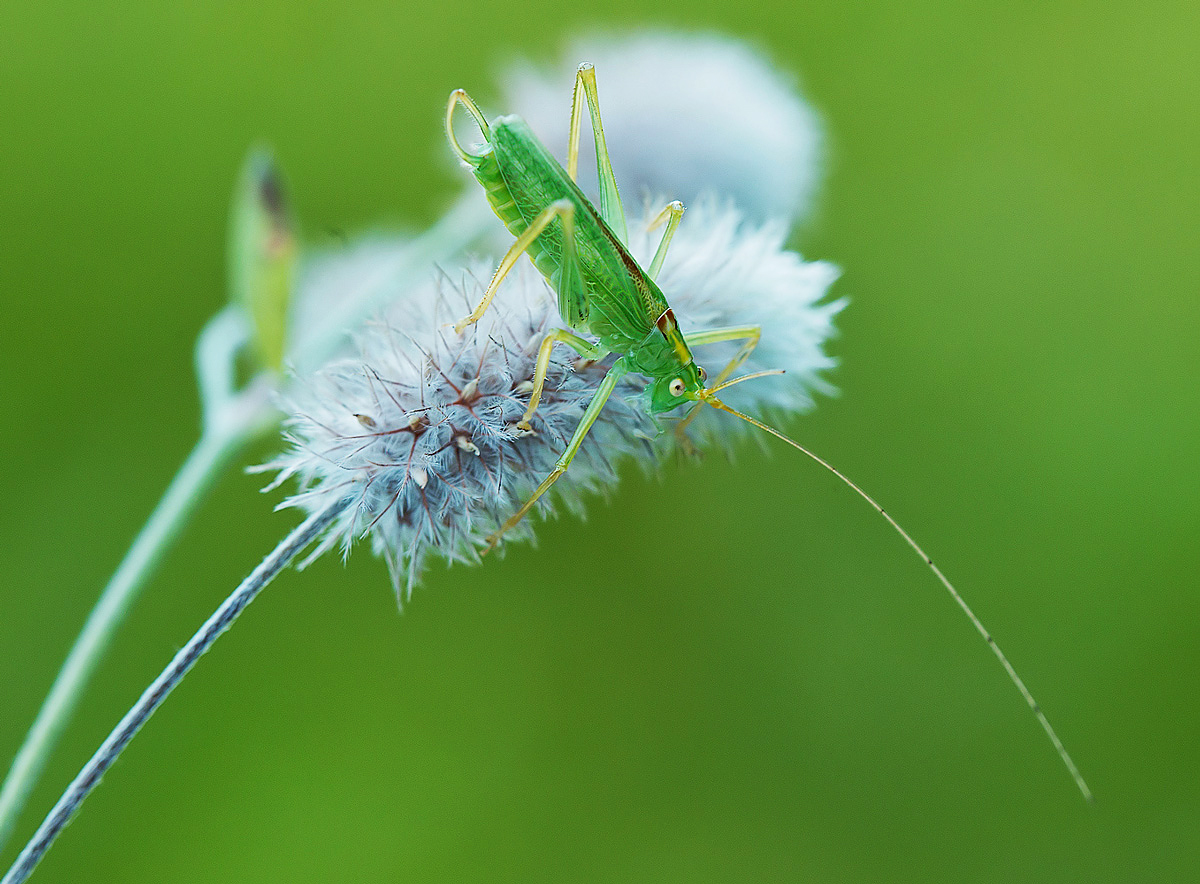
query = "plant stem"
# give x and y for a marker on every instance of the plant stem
(153, 696)
(233, 419)
(216, 447)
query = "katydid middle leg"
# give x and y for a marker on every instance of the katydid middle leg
(585, 349)
(618, 371)
(671, 214)
(563, 209)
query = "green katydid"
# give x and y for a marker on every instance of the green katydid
(603, 293)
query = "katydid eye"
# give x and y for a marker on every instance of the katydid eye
(703, 373)
(676, 387)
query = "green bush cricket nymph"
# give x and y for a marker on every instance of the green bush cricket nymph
(603, 293)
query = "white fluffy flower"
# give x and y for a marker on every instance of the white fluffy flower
(686, 115)
(418, 435)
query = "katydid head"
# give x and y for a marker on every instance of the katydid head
(685, 384)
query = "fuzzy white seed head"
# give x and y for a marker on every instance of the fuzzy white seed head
(419, 435)
(336, 290)
(684, 114)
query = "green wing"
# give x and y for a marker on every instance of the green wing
(618, 303)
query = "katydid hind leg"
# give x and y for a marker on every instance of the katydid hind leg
(618, 371)
(610, 206)
(572, 294)
(460, 97)
(577, 100)
(562, 209)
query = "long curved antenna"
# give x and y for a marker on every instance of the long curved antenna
(111, 749)
(706, 396)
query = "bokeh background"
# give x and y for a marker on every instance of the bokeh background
(1013, 194)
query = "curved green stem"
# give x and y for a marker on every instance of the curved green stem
(232, 419)
(153, 696)
(217, 446)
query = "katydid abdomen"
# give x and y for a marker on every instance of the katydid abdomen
(521, 180)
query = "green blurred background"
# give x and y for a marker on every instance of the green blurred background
(1014, 197)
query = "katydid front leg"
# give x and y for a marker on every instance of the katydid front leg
(751, 334)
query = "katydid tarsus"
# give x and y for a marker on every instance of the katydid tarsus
(614, 308)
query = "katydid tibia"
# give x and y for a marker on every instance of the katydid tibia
(605, 294)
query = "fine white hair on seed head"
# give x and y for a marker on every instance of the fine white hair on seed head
(418, 434)
(685, 115)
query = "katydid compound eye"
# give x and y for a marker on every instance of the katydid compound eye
(676, 387)
(703, 373)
